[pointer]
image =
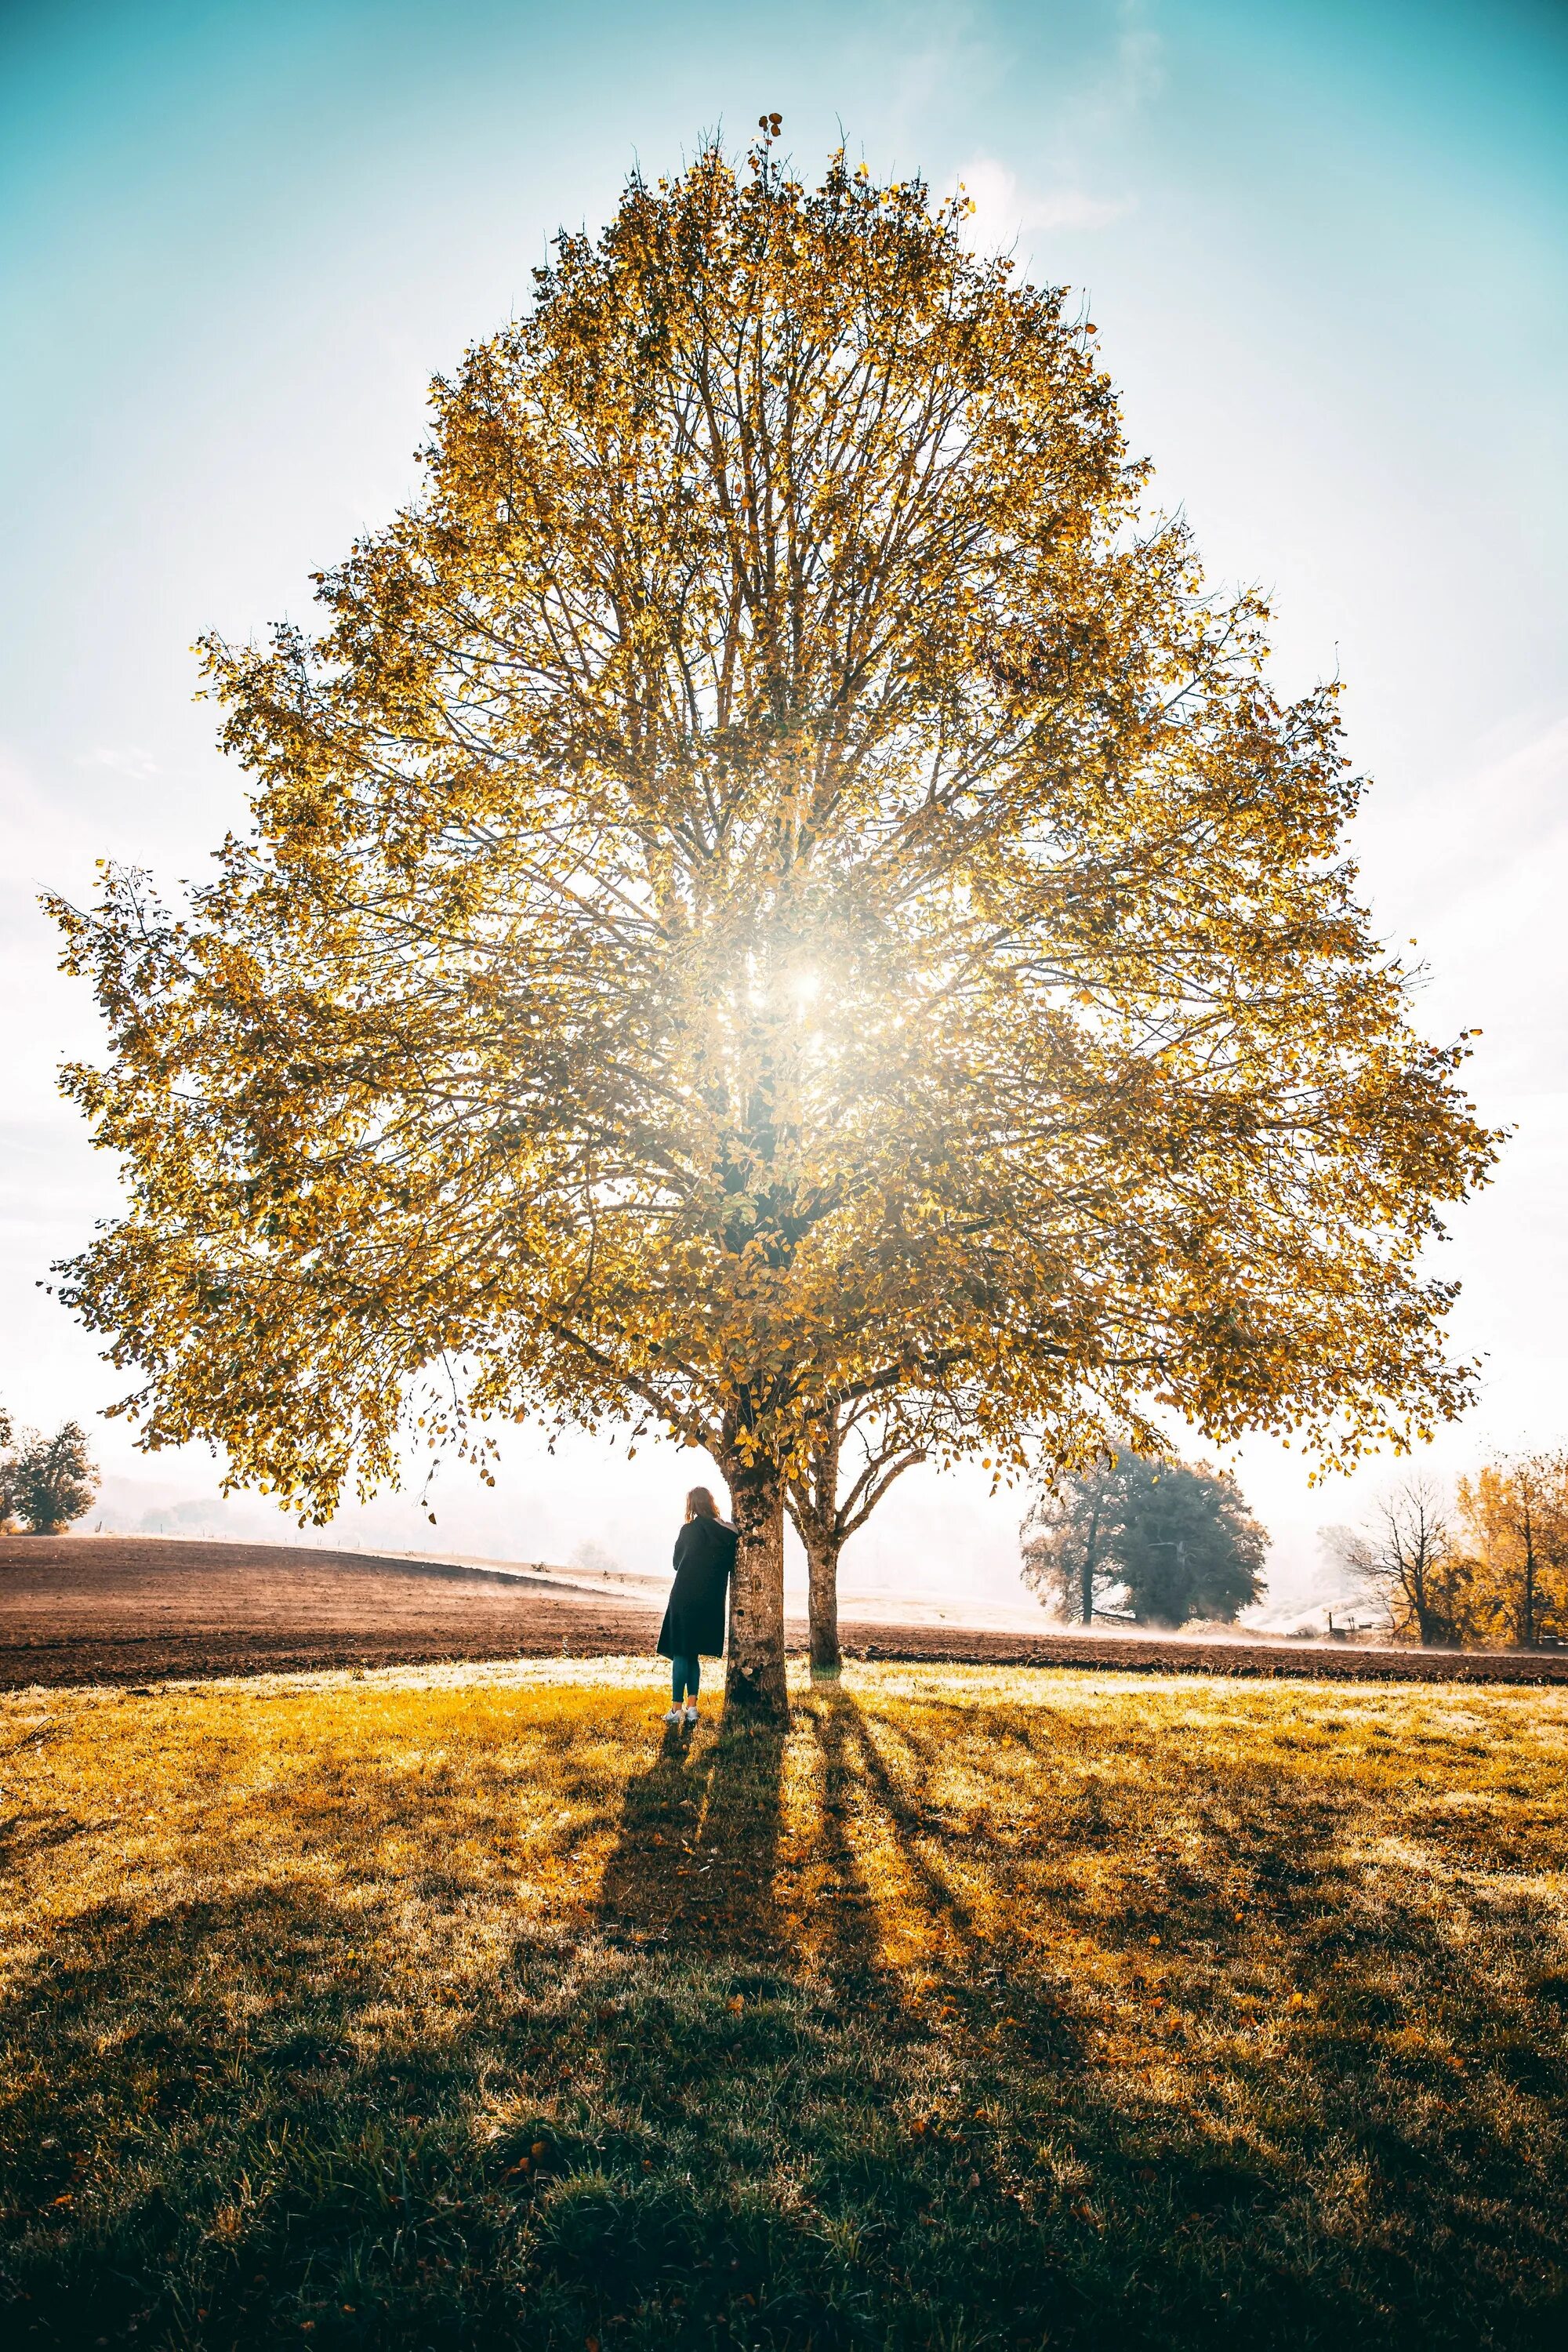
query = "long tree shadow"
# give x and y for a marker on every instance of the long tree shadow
(695, 1853)
(971, 1963)
(845, 1915)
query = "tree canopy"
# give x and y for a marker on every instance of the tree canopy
(1167, 1541)
(773, 885)
(1511, 1527)
(48, 1482)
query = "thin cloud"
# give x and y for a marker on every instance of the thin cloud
(1004, 210)
(1139, 68)
(121, 760)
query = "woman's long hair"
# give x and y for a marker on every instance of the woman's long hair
(699, 1505)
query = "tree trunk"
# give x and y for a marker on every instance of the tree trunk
(754, 1682)
(823, 1546)
(822, 1560)
(1087, 1589)
(1529, 1625)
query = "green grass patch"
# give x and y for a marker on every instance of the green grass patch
(983, 2009)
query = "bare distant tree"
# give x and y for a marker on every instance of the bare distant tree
(1406, 1549)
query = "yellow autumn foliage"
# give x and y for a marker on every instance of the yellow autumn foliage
(1511, 1532)
(775, 887)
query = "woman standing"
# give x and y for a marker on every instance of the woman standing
(693, 1624)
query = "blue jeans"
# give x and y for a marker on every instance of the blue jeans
(684, 1675)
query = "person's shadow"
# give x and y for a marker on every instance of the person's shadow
(697, 1844)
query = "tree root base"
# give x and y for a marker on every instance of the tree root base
(758, 1699)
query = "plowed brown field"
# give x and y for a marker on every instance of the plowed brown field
(140, 1609)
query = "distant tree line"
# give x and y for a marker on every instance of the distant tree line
(44, 1482)
(1488, 1568)
(1145, 1539)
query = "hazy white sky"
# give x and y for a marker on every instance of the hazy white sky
(1324, 246)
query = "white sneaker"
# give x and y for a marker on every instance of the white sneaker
(691, 1718)
(674, 1717)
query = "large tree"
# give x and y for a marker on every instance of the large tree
(49, 1481)
(1168, 1540)
(774, 887)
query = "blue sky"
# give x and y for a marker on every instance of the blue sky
(1324, 246)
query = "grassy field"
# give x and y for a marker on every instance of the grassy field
(460, 2007)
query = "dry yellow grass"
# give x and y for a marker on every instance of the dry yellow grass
(443, 2005)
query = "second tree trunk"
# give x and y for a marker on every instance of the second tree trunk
(822, 1561)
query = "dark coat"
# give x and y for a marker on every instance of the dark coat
(694, 1621)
